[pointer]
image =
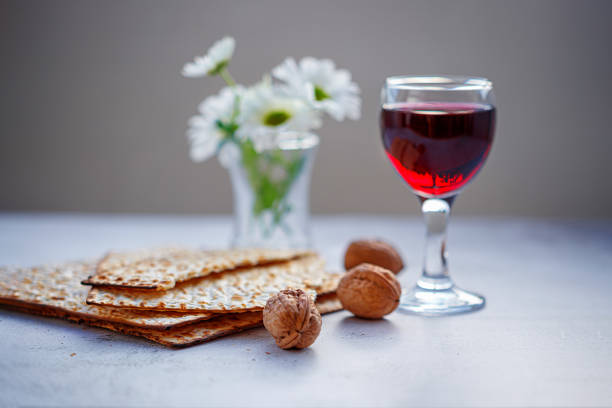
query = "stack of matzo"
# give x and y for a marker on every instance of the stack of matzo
(176, 297)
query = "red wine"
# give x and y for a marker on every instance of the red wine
(437, 147)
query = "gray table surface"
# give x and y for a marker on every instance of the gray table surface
(544, 338)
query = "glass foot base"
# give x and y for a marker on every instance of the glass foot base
(428, 302)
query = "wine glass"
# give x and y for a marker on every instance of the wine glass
(437, 132)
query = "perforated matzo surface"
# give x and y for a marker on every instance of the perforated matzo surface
(60, 287)
(163, 268)
(246, 289)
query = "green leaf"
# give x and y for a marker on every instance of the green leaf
(228, 128)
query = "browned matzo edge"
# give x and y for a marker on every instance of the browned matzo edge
(243, 290)
(64, 313)
(183, 336)
(163, 268)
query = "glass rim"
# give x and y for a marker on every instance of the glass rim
(295, 140)
(438, 82)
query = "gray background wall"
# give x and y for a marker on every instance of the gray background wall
(93, 109)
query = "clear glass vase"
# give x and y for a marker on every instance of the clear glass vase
(271, 186)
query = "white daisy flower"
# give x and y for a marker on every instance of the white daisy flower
(267, 113)
(215, 60)
(204, 132)
(327, 88)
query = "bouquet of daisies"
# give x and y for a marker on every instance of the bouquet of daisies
(255, 119)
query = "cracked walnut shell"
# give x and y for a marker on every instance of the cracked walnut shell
(292, 319)
(375, 252)
(369, 291)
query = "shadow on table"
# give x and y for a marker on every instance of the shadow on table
(360, 332)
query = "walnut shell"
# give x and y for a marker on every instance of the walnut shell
(369, 291)
(375, 252)
(292, 319)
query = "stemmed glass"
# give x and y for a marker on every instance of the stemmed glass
(437, 132)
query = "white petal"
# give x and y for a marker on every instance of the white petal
(303, 91)
(262, 98)
(333, 108)
(352, 104)
(288, 72)
(220, 51)
(194, 70)
(203, 145)
(340, 79)
(312, 66)
(220, 106)
(223, 49)
(198, 122)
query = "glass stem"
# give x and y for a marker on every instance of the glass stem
(435, 270)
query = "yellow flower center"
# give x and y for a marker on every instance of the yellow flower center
(320, 93)
(276, 117)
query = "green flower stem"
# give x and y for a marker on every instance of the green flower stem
(270, 192)
(229, 80)
(227, 77)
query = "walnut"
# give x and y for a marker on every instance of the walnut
(369, 291)
(375, 252)
(292, 319)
